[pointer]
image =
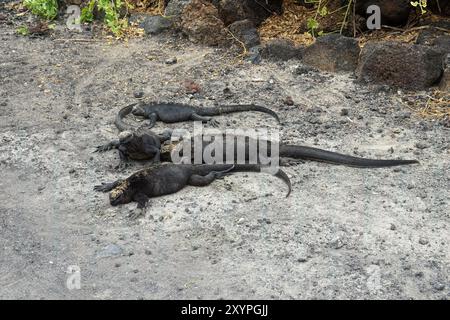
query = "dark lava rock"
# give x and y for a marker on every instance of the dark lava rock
(246, 32)
(280, 50)
(201, 23)
(444, 85)
(400, 65)
(176, 7)
(255, 10)
(393, 12)
(333, 53)
(156, 24)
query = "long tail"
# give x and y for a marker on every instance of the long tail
(238, 108)
(309, 153)
(120, 124)
(204, 169)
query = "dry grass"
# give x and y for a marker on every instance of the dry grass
(288, 24)
(155, 7)
(435, 106)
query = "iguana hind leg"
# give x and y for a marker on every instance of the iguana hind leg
(210, 120)
(202, 181)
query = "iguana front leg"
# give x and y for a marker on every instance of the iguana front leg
(210, 120)
(109, 146)
(142, 201)
(124, 161)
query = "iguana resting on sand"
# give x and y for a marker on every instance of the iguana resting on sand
(162, 179)
(177, 112)
(286, 153)
(139, 145)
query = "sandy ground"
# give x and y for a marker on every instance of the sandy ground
(343, 233)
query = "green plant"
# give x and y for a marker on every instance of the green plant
(87, 13)
(47, 9)
(23, 30)
(422, 4)
(111, 10)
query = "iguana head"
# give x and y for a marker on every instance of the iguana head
(121, 194)
(125, 136)
(138, 111)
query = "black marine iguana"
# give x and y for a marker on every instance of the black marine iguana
(286, 153)
(162, 179)
(177, 112)
(139, 145)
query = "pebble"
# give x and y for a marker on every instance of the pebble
(110, 250)
(421, 145)
(438, 286)
(171, 61)
(138, 94)
(344, 112)
(423, 241)
(288, 101)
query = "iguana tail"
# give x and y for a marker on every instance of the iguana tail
(120, 124)
(308, 153)
(238, 108)
(204, 169)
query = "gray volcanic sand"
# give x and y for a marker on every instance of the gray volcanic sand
(343, 233)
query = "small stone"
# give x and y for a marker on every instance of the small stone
(337, 243)
(148, 252)
(171, 61)
(138, 94)
(423, 241)
(393, 227)
(110, 250)
(421, 145)
(344, 112)
(439, 286)
(288, 101)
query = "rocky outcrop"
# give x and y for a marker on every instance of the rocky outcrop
(333, 53)
(246, 32)
(281, 50)
(400, 65)
(393, 12)
(201, 23)
(254, 10)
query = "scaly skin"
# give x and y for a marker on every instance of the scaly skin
(288, 154)
(177, 112)
(163, 179)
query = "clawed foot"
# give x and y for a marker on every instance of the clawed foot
(103, 148)
(104, 187)
(139, 212)
(214, 123)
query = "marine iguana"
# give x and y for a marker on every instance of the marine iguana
(139, 145)
(162, 179)
(287, 153)
(177, 112)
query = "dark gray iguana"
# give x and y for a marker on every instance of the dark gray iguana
(161, 179)
(286, 152)
(138, 145)
(177, 112)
